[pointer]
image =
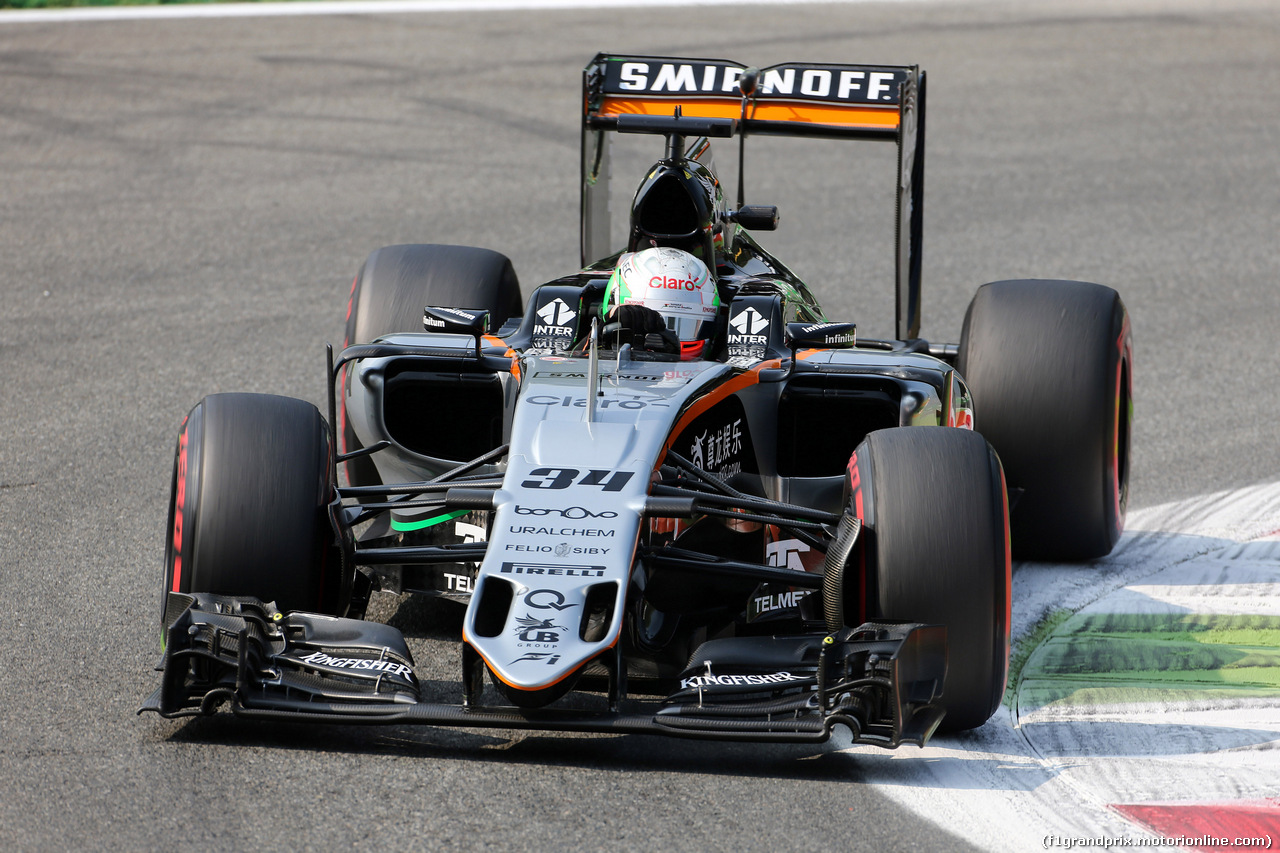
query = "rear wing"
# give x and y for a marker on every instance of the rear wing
(874, 102)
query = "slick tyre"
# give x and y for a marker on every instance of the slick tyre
(1049, 365)
(248, 514)
(395, 284)
(933, 549)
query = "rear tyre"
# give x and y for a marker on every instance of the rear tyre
(934, 549)
(1049, 365)
(248, 514)
(396, 283)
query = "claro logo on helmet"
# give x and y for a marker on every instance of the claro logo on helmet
(668, 283)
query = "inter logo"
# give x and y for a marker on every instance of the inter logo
(557, 313)
(750, 322)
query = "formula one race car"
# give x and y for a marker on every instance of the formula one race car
(673, 496)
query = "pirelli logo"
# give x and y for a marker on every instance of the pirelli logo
(832, 84)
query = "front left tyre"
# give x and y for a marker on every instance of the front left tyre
(248, 512)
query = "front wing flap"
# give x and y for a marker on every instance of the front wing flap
(881, 681)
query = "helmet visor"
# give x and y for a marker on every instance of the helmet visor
(685, 327)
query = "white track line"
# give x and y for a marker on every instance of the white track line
(371, 7)
(1055, 771)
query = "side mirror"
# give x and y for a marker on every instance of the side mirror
(456, 321)
(821, 336)
(756, 217)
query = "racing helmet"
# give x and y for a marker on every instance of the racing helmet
(676, 285)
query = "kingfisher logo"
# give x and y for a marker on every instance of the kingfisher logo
(386, 667)
(762, 680)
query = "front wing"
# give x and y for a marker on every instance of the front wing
(882, 681)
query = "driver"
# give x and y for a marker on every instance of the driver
(666, 298)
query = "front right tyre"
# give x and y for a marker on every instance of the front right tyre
(933, 549)
(393, 286)
(1050, 368)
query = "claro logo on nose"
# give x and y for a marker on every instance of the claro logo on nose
(668, 283)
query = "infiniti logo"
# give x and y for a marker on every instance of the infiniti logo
(573, 512)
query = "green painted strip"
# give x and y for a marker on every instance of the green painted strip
(1023, 649)
(1117, 658)
(1131, 658)
(406, 526)
(1061, 693)
(1202, 627)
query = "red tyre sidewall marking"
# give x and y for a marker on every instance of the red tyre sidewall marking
(855, 489)
(324, 543)
(179, 504)
(1124, 347)
(342, 378)
(1008, 576)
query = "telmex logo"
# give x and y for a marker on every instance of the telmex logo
(838, 84)
(668, 283)
(780, 600)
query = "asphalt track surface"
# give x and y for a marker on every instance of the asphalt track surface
(182, 207)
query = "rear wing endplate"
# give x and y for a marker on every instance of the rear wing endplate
(875, 102)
